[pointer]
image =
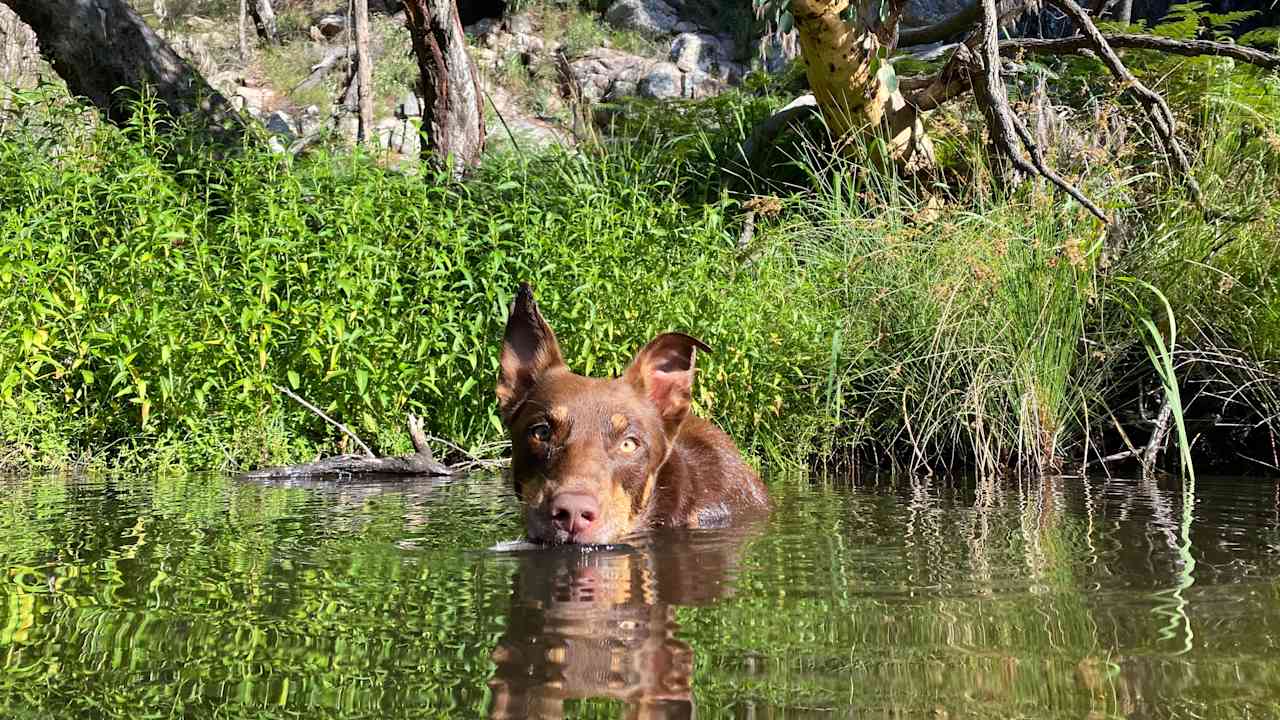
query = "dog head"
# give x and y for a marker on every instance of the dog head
(585, 452)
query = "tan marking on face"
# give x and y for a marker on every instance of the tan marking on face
(619, 422)
(617, 504)
(649, 482)
(560, 413)
(557, 655)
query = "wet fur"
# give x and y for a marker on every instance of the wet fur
(571, 434)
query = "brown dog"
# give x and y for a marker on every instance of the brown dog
(595, 460)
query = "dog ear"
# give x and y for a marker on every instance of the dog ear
(663, 372)
(529, 349)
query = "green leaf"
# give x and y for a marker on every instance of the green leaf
(786, 22)
(294, 380)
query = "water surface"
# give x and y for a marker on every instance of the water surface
(205, 596)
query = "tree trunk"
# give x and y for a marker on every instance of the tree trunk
(453, 116)
(264, 19)
(243, 41)
(846, 63)
(107, 54)
(364, 71)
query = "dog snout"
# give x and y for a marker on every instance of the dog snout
(574, 513)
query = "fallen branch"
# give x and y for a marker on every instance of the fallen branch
(421, 463)
(1157, 109)
(928, 92)
(321, 69)
(765, 133)
(1189, 48)
(331, 421)
(1158, 435)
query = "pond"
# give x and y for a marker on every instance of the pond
(206, 596)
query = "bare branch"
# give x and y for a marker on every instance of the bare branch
(1157, 109)
(327, 419)
(1191, 48)
(941, 30)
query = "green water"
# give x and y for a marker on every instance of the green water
(211, 597)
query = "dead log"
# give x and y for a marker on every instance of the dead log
(422, 463)
(322, 69)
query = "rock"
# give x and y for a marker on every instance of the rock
(684, 26)
(279, 123)
(605, 74)
(409, 107)
(483, 27)
(520, 24)
(650, 17)
(330, 25)
(385, 130)
(310, 120)
(698, 84)
(917, 13)
(662, 82)
(692, 51)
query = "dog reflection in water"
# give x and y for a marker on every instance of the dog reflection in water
(600, 623)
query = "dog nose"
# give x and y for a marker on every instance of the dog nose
(574, 513)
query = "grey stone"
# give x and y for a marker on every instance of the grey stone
(917, 13)
(280, 123)
(692, 51)
(605, 74)
(409, 106)
(662, 82)
(651, 17)
(330, 25)
(520, 24)
(684, 26)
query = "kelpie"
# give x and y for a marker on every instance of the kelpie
(595, 460)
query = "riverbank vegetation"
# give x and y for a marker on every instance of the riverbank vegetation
(151, 314)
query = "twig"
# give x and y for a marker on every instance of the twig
(1158, 435)
(328, 419)
(1190, 48)
(1157, 109)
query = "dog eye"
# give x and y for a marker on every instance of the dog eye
(540, 432)
(628, 446)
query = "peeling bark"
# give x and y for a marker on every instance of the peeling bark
(264, 19)
(843, 62)
(453, 116)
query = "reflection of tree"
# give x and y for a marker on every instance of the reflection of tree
(602, 625)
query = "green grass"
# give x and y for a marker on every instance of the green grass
(152, 314)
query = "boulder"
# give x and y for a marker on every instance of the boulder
(606, 74)
(410, 106)
(918, 13)
(695, 51)
(281, 123)
(330, 25)
(520, 24)
(650, 17)
(663, 81)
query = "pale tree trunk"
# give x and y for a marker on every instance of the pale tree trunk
(364, 70)
(264, 19)
(107, 54)
(845, 63)
(453, 116)
(244, 41)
